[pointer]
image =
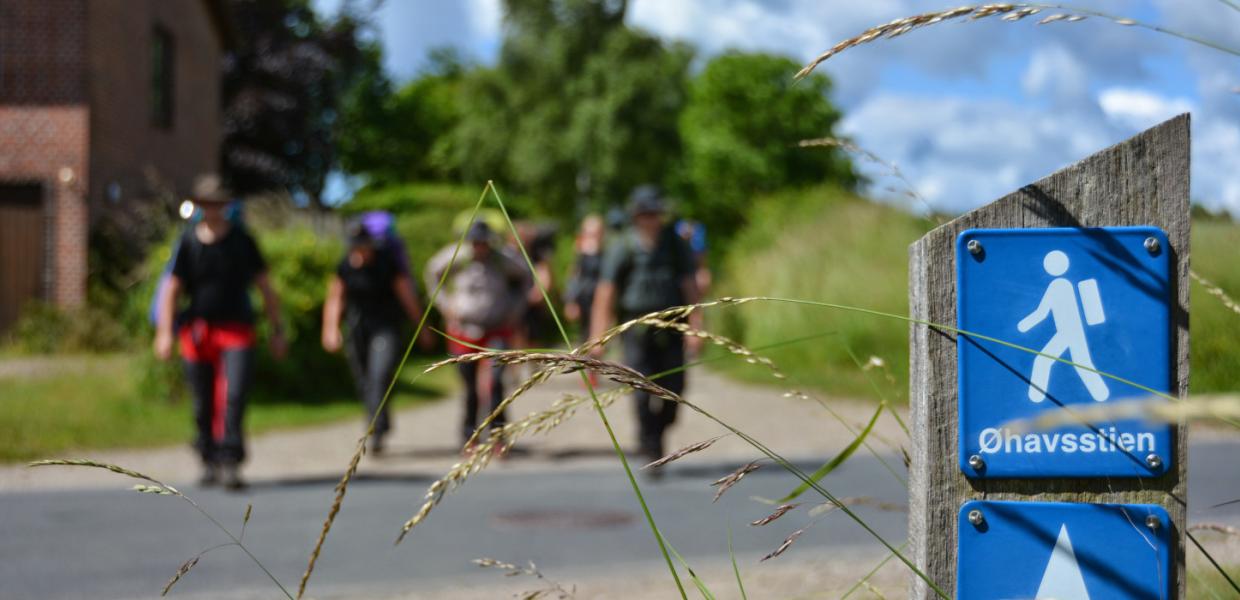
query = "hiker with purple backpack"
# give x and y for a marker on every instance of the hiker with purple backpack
(371, 295)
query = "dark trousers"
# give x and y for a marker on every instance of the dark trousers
(469, 373)
(219, 390)
(651, 351)
(373, 351)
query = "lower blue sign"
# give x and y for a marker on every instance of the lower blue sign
(1063, 551)
(1062, 318)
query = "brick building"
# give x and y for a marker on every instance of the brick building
(104, 104)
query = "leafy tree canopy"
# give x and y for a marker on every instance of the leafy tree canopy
(741, 127)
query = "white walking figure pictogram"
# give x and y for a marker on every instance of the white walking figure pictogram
(1060, 303)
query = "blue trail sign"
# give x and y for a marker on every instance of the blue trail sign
(1079, 302)
(1063, 551)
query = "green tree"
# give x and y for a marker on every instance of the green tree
(282, 86)
(579, 107)
(740, 128)
(402, 135)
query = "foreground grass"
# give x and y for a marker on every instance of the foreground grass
(94, 402)
(828, 245)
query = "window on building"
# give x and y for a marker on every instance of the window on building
(163, 59)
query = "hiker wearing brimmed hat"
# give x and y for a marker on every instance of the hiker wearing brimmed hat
(215, 264)
(482, 301)
(648, 269)
(372, 293)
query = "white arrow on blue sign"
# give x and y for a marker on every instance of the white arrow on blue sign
(1081, 302)
(1063, 551)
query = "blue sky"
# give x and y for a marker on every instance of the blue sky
(968, 110)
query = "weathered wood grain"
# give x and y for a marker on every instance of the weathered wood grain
(1142, 181)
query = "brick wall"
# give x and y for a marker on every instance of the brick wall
(129, 154)
(48, 145)
(42, 52)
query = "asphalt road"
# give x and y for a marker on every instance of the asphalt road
(120, 544)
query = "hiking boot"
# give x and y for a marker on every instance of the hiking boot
(230, 477)
(210, 475)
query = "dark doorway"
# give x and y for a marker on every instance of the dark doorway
(21, 249)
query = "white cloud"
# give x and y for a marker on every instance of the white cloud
(1139, 109)
(962, 152)
(1056, 72)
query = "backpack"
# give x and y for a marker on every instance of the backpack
(381, 225)
(651, 289)
(235, 215)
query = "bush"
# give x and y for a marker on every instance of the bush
(45, 329)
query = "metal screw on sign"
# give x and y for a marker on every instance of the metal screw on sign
(1153, 522)
(977, 463)
(1154, 461)
(1152, 246)
(976, 518)
(975, 247)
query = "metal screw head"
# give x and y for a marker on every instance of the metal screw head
(974, 246)
(976, 518)
(1153, 522)
(1154, 461)
(977, 463)
(1152, 246)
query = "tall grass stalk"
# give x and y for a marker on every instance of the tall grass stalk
(163, 489)
(343, 486)
(598, 407)
(1009, 12)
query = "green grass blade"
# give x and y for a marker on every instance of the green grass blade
(697, 581)
(839, 459)
(740, 584)
(598, 407)
(866, 578)
(1217, 567)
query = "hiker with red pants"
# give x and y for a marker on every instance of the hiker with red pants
(215, 264)
(482, 301)
(371, 294)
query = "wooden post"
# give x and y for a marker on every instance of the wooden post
(1142, 181)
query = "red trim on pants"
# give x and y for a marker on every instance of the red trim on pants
(486, 340)
(205, 342)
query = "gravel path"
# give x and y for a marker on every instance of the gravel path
(425, 437)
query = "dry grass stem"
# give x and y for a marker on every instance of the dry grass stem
(153, 489)
(538, 422)
(892, 169)
(1223, 408)
(727, 481)
(560, 362)
(511, 570)
(1009, 12)
(341, 488)
(84, 462)
(1215, 527)
(868, 501)
(780, 511)
(792, 537)
(1215, 290)
(683, 452)
(181, 571)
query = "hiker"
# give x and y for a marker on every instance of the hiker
(373, 292)
(216, 262)
(481, 302)
(579, 295)
(648, 269)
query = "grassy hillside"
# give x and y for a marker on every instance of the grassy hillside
(826, 245)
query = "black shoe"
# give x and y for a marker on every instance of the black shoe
(210, 475)
(376, 446)
(230, 478)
